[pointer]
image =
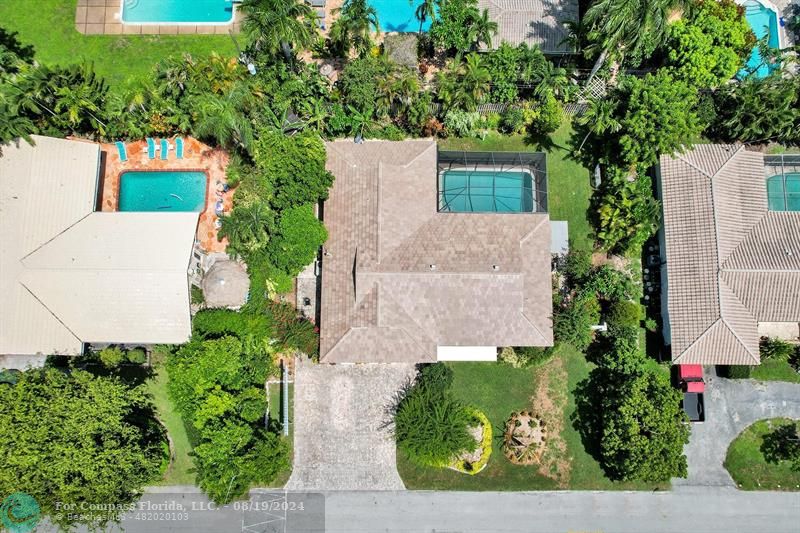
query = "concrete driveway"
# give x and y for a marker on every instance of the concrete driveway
(342, 436)
(731, 406)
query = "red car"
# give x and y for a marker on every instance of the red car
(690, 378)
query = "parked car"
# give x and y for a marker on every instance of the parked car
(690, 380)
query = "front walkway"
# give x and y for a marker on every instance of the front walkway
(341, 437)
(731, 406)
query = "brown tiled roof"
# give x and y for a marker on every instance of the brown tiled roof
(535, 22)
(731, 263)
(382, 302)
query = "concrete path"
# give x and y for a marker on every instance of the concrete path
(342, 431)
(697, 509)
(731, 406)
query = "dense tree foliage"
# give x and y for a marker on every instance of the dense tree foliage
(353, 28)
(273, 26)
(782, 444)
(461, 26)
(76, 438)
(710, 45)
(298, 237)
(218, 386)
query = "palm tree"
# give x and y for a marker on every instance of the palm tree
(474, 82)
(246, 228)
(359, 122)
(599, 119)
(481, 30)
(550, 79)
(278, 25)
(625, 26)
(357, 20)
(223, 117)
(406, 87)
(424, 11)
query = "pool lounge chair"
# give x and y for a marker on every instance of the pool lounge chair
(165, 148)
(317, 3)
(151, 148)
(179, 147)
(123, 152)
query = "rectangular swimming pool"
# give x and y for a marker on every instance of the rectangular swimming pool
(162, 191)
(177, 11)
(399, 15)
(468, 191)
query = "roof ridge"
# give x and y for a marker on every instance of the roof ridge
(722, 309)
(41, 302)
(54, 237)
(535, 229)
(699, 337)
(399, 306)
(750, 232)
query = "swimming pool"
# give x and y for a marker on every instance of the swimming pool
(783, 192)
(177, 11)
(162, 191)
(399, 15)
(763, 21)
(481, 191)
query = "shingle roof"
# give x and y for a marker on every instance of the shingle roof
(535, 22)
(381, 301)
(731, 263)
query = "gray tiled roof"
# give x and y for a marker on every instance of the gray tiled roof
(731, 263)
(382, 302)
(539, 22)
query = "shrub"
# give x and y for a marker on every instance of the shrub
(485, 445)
(431, 427)
(624, 313)
(651, 324)
(297, 239)
(549, 117)
(572, 322)
(609, 283)
(436, 376)
(215, 323)
(770, 348)
(461, 123)
(136, 356)
(525, 356)
(513, 120)
(782, 444)
(111, 357)
(576, 266)
(197, 295)
(735, 371)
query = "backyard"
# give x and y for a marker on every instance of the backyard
(749, 469)
(121, 59)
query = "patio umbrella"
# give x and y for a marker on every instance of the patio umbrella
(226, 285)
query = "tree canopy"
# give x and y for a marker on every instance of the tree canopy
(77, 438)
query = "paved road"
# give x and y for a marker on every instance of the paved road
(731, 406)
(699, 510)
(342, 436)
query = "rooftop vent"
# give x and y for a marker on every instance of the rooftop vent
(432, 266)
(495, 267)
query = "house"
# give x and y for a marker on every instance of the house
(433, 255)
(534, 22)
(70, 275)
(731, 243)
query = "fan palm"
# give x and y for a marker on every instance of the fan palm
(278, 25)
(625, 26)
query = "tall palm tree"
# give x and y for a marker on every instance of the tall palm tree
(425, 10)
(278, 25)
(481, 30)
(599, 119)
(550, 79)
(223, 117)
(357, 21)
(474, 82)
(625, 26)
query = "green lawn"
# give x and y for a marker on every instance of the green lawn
(749, 469)
(497, 390)
(49, 25)
(181, 469)
(775, 370)
(568, 186)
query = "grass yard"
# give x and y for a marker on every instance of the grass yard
(497, 390)
(276, 415)
(775, 370)
(181, 469)
(568, 186)
(49, 25)
(749, 469)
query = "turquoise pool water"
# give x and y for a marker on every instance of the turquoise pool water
(464, 191)
(162, 191)
(764, 22)
(398, 15)
(176, 11)
(784, 195)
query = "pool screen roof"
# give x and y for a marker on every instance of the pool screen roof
(492, 182)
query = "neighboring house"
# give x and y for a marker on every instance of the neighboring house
(732, 252)
(534, 22)
(70, 275)
(408, 274)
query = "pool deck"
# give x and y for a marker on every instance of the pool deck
(103, 17)
(197, 156)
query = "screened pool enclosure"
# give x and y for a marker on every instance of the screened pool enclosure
(783, 182)
(492, 182)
